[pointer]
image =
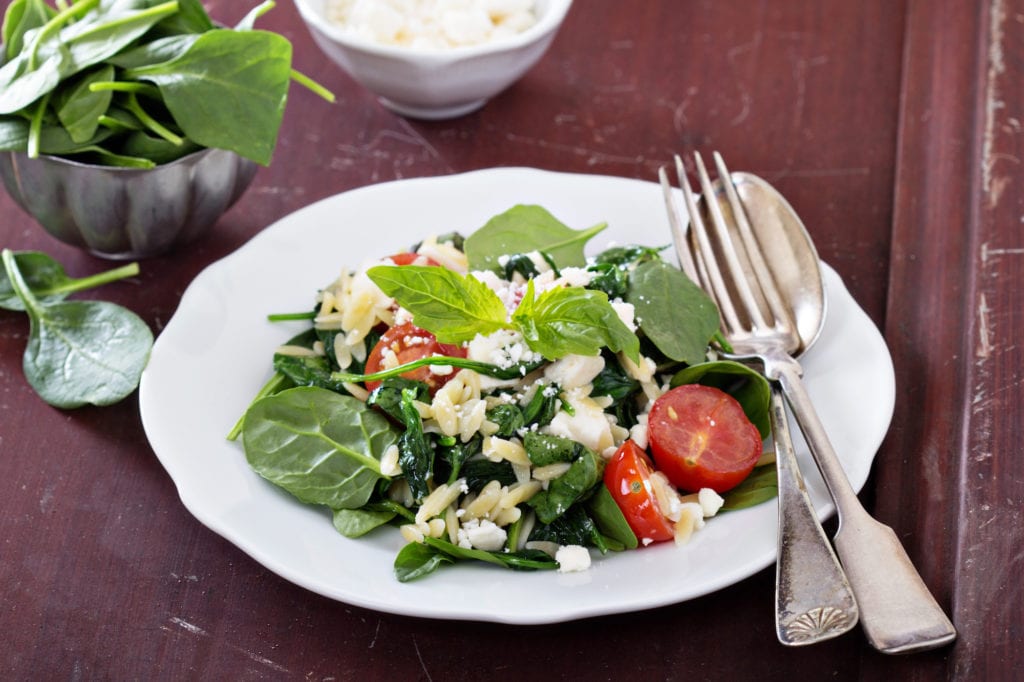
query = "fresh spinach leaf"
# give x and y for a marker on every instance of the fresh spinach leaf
(454, 307)
(572, 320)
(609, 518)
(225, 75)
(78, 108)
(672, 311)
(746, 385)
(354, 523)
(22, 16)
(526, 228)
(416, 560)
(760, 486)
(80, 352)
(322, 447)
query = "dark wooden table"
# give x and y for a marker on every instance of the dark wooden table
(895, 129)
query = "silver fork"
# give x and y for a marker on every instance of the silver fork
(897, 612)
(813, 599)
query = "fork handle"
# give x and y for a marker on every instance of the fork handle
(897, 611)
(813, 599)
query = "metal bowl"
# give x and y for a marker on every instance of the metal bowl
(123, 213)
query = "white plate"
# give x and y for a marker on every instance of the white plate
(215, 354)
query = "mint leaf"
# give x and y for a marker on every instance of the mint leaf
(454, 307)
(572, 321)
(523, 229)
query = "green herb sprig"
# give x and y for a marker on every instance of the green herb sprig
(139, 83)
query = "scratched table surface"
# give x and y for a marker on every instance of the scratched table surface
(893, 127)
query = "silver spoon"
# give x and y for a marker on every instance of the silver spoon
(813, 598)
(897, 611)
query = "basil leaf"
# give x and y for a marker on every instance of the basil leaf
(454, 307)
(322, 447)
(572, 321)
(227, 76)
(746, 385)
(674, 313)
(526, 228)
(760, 486)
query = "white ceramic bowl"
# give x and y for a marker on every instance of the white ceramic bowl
(435, 83)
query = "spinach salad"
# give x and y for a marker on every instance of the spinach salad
(503, 398)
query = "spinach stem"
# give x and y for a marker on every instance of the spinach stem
(150, 122)
(274, 385)
(144, 89)
(54, 25)
(287, 317)
(18, 284)
(92, 281)
(513, 372)
(161, 10)
(35, 127)
(307, 82)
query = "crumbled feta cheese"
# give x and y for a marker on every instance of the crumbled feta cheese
(626, 313)
(572, 558)
(574, 371)
(709, 501)
(639, 431)
(432, 23)
(482, 534)
(589, 424)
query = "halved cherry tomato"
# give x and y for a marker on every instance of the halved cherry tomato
(701, 438)
(628, 478)
(408, 342)
(410, 258)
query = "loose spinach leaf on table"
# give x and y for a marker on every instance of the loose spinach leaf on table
(322, 447)
(80, 352)
(526, 228)
(48, 282)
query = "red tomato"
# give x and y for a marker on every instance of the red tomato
(408, 342)
(409, 258)
(701, 438)
(628, 478)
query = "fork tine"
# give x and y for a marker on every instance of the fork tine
(679, 238)
(728, 248)
(753, 251)
(711, 279)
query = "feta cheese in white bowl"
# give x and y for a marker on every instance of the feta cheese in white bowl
(434, 59)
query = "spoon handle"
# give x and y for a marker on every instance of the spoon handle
(813, 599)
(898, 613)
